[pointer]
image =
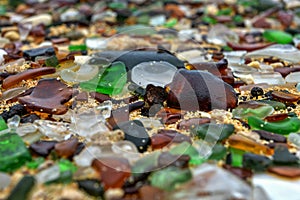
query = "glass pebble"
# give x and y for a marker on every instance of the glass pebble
(4, 180)
(293, 77)
(13, 122)
(48, 174)
(156, 73)
(270, 78)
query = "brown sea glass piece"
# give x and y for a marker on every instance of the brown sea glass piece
(240, 172)
(113, 172)
(28, 74)
(148, 192)
(249, 145)
(290, 172)
(248, 47)
(284, 71)
(199, 90)
(286, 97)
(189, 123)
(166, 137)
(66, 148)
(276, 117)
(48, 96)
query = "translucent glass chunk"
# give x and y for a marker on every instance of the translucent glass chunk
(156, 73)
(285, 52)
(293, 77)
(270, 78)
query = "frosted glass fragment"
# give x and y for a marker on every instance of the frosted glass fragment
(156, 73)
(270, 78)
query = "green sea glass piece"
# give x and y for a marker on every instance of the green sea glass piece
(111, 81)
(186, 148)
(146, 164)
(212, 132)
(283, 127)
(261, 112)
(3, 124)
(275, 104)
(236, 157)
(13, 152)
(218, 152)
(52, 61)
(168, 178)
(277, 36)
(35, 163)
(66, 165)
(22, 189)
(79, 47)
(171, 23)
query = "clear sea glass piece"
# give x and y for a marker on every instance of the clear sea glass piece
(86, 157)
(4, 180)
(13, 122)
(85, 73)
(215, 183)
(11, 93)
(25, 129)
(220, 35)
(24, 30)
(270, 78)
(293, 77)
(276, 188)
(49, 174)
(156, 73)
(285, 52)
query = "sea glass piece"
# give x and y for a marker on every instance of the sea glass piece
(22, 189)
(293, 77)
(168, 178)
(35, 163)
(24, 29)
(220, 35)
(13, 152)
(294, 138)
(13, 123)
(199, 90)
(84, 73)
(156, 73)
(213, 132)
(275, 104)
(11, 93)
(278, 36)
(261, 111)
(25, 75)
(126, 149)
(256, 162)
(79, 47)
(113, 171)
(275, 188)
(48, 174)
(236, 157)
(285, 96)
(246, 144)
(31, 54)
(283, 127)
(48, 96)
(3, 124)
(285, 52)
(133, 58)
(52, 61)
(204, 185)
(110, 82)
(91, 186)
(5, 180)
(272, 78)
